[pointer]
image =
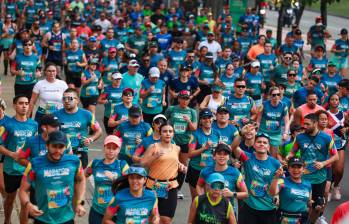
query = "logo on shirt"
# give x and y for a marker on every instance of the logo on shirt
(56, 172)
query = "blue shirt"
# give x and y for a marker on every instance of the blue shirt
(258, 177)
(342, 45)
(152, 104)
(13, 135)
(319, 63)
(54, 187)
(129, 209)
(314, 148)
(76, 126)
(300, 96)
(72, 58)
(331, 82)
(272, 117)
(294, 197)
(254, 82)
(221, 63)
(164, 40)
(229, 84)
(175, 59)
(198, 140)
(227, 134)
(28, 64)
(266, 62)
(239, 108)
(106, 44)
(114, 98)
(285, 48)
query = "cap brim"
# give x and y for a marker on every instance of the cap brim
(57, 142)
(116, 143)
(296, 163)
(135, 115)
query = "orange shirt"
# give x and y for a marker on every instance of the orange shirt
(255, 50)
(306, 110)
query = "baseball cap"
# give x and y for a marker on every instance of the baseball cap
(116, 75)
(210, 33)
(186, 67)
(209, 55)
(222, 147)
(112, 49)
(92, 39)
(205, 113)
(154, 72)
(298, 32)
(153, 44)
(216, 181)
(262, 135)
(93, 61)
(50, 120)
(128, 90)
(235, 57)
(344, 31)
(113, 139)
(137, 170)
(159, 116)
(316, 71)
(319, 47)
(331, 63)
(222, 109)
(178, 40)
(134, 111)
(120, 46)
(57, 137)
(255, 64)
(133, 63)
(184, 94)
(269, 31)
(295, 161)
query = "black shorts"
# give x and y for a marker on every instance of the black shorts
(12, 182)
(26, 90)
(343, 148)
(73, 78)
(248, 215)
(2, 158)
(109, 130)
(40, 222)
(83, 158)
(192, 176)
(87, 101)
(167, 207)
(184, 148)
(318, 190)
(56, 62)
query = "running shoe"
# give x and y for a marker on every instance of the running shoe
(321, 220)
(180, 195)
(336, 195)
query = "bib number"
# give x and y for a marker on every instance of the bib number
(179, 128)
(152, 102)
(258, 189)
(272, 125)
(289, 220)
(91, 91)
(58, 198)
(135, 220)
(161, 189)
(104, 195)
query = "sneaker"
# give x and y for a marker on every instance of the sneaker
(336, 195)
(329, 196)
(180, 195)
(321, 220)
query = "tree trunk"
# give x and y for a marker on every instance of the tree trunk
(216, 6)
(323, 10)
(300, 12)
(280, 24)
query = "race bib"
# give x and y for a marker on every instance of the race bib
(27, 76)
(209, 80)
(58, 197)
(206, 158)
(91, 91)
(272, 125)
(288, 220)
(258, 189)
(57, 46)
(309, 167)
(74, 140)
(180, 128)
(136, 220)
(152, 102)
(72, 66)
(161, 189)
(104, 195)
(50, 108)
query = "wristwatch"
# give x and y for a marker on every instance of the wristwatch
(235, 195)
(81, 202)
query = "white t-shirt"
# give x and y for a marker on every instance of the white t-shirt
(213, 47)
(50, 94)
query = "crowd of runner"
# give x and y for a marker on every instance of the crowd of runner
(257, 131)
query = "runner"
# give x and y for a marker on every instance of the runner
(259, 169)
(59, 182)
(3, 120)
(340, 49)
(133, 203)
(162, 159)
(309, 107)
(294, 193)
(49, 92)
(211, 207)
(13, 136)
(133, 79)
(76, 123)
(132, 132)
(104, 172)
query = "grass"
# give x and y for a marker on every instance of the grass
(337, 9)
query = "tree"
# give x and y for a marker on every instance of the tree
(282, 10)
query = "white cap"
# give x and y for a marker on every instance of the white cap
(133, 63)
(255, 64)
(154, 72)
(159, 116)
(116, 75)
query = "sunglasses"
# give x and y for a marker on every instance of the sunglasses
(217, 186)
(68, 98)
(275, 94)
(128, 94)
(184, 98)
(292, 74)
(287, 58)
(240, 87)
(26, 45)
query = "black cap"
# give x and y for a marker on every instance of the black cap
(295, 161)
(128, 90)
(344, 31)
(209, 55)
(50, 120)
(134, 111)
(222, 109)
(57, 137)
(222, 147)
(298, 32)
(178, 40)
(186, 67)
(205, 113)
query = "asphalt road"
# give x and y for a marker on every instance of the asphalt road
(335, 24)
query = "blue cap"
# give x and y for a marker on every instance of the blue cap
(137, 170)
(215, 177)
(261, 134)
(205, 113)
(92, 39)
(57, 137)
